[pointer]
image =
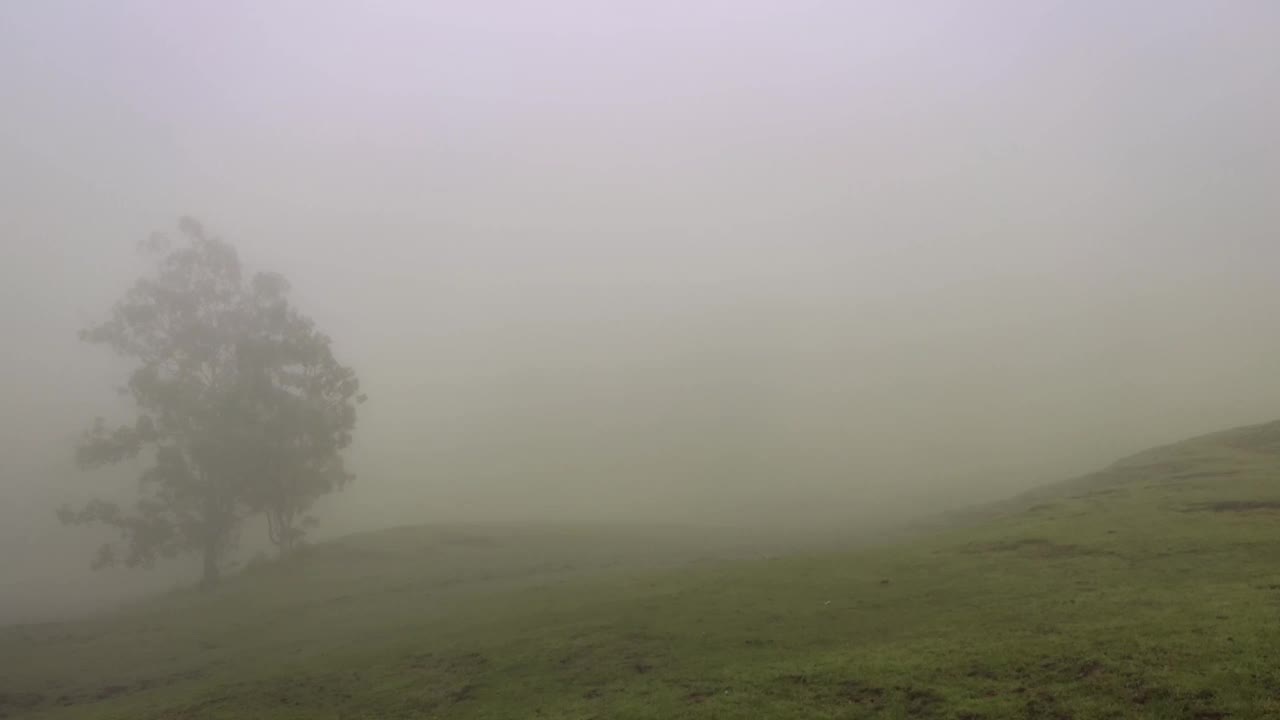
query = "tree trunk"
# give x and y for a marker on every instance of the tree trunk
(280, 530)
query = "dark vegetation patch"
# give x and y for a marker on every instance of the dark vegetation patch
(1144, 694)
(1068, 669)
(463, 663)
(1206, 474)
(1103, 492)
(1158, 470)
(698, 693)
(462, 694)
(13, 703)
(860, 693)
(427, 685)
(1235, 506)
(920, 702)
(1044, 705)
(300, 692)
(1051, 687)
(981, 672)
(290, 694)
(1039, 548)
(1167, 486)
(917, 701)
(111, 691)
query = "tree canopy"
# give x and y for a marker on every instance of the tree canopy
(242, 408)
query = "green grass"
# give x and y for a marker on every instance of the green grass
(1151, 589)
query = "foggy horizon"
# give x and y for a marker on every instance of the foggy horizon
(765, 264)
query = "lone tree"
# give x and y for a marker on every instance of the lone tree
(242, 408)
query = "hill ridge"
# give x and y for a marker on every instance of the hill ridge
(1147, 589)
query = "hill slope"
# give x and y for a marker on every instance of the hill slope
(1150, 589)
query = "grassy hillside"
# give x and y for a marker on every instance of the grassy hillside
(1150, 589)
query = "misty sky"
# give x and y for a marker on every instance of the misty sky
(728, 261)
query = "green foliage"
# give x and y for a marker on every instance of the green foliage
(242, 407)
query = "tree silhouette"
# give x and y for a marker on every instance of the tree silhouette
(241, 408)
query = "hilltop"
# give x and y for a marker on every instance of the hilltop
(1147, 589)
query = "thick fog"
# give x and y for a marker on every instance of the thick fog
(775, 263)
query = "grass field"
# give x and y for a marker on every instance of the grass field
(1150, 589)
